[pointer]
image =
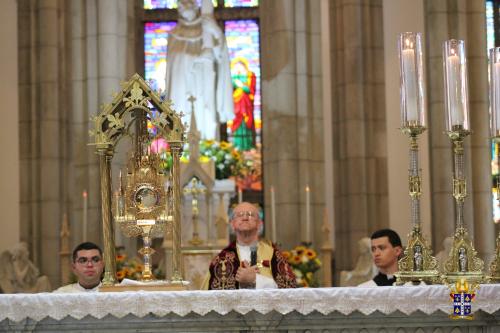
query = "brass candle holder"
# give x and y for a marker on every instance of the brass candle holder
(462, 264)
(494, 269)
(417, 263)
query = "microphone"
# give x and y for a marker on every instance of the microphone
(253, 255)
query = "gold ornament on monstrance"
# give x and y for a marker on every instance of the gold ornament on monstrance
(142, 207)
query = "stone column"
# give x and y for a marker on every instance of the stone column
(72, 55)
(460, 20)
(358, 137)
(292, 116)
(99, 50)
(44, 116)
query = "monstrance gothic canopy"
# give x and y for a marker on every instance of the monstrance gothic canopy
(135, 103)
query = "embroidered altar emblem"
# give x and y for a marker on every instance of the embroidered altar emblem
(462, 296)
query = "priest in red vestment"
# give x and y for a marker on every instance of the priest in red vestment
(249, 262)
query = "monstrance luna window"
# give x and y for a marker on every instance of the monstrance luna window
(239, 21)
(492, 40)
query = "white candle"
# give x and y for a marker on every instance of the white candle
(308, 214)
(410, 82)
(240, 195)
(454, 92)
(496, 85)
(84, 217)
(273, 215)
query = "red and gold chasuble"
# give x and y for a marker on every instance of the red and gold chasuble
(270, 261)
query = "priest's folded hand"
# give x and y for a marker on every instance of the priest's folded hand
(246, 273)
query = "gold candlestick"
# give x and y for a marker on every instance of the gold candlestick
(463, 262)
(417, 263)
(494, 272)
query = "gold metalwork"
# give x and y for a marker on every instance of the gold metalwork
(463, 262)
(144, 198)
(177, 269)
(142, 207)
(417, 263)
(494, 274)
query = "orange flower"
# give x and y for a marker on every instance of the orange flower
(286, 254)
(120, 275)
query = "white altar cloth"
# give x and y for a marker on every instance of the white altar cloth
(387, 300)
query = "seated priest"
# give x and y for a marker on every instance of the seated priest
(249, 262)
(88, 267)
(386, 249)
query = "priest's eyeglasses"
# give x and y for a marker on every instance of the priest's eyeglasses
(84, 260)
(245, 213)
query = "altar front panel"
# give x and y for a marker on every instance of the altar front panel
(395, 309)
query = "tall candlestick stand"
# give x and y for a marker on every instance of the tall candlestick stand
(463, 262)
(417, 263)
(494, 272)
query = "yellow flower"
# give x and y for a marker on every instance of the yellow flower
(310, 253)
(296, 259)
(120, 275)
(286, 254)
(209, 142)
(299, 249)
(204, 159)
(224, 145)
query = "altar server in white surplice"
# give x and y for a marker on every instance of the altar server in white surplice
(198, 65)
(386, 249)
(88, 267)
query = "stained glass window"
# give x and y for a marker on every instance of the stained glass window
(172, 4)
(155, 52)
(242, 36)
(243, 43)
(241, 3)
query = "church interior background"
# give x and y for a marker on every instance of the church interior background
(326, 151)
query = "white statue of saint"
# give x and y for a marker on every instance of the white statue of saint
(198, 65)
(364, 270)
(18, 274)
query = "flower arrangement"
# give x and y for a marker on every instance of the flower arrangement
(250, 173)
(305, 263)
(227, 158)
(127, 268)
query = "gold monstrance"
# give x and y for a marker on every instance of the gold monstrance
(417, 263)
(142, 207)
